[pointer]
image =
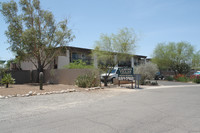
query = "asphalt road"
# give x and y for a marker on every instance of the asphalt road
(165, 109)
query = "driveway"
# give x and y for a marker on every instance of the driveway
(172, 83)
(172, 109)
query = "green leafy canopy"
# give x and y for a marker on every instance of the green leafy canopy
(33, 33)
(173, 55)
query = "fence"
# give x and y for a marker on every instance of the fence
(54, 76)
(21, 77)
(65, 76)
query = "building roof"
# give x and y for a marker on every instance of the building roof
(2, 61)
(72, 47)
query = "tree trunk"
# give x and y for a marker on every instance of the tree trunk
(6, 85)
(40, 69)
(106, 81)
(41, 78)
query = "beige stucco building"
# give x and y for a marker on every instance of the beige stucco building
(75, 53)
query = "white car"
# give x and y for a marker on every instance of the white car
(113, 74)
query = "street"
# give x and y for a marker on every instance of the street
(170, 108)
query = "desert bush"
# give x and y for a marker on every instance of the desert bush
(169, 78)
(181, 78)
(147, 71)
(195, 78)
(87, 81)
(7, 79)
(149, 82)
(78, 64)
(154, 83)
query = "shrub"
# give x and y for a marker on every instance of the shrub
(148, 82)
(154, 83)
(169, 78)
(7, 79)
(147, 71)
(79, 64)
(195, 78)
(86, 81)
(181, 78)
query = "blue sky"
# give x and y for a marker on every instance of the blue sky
(154, 21)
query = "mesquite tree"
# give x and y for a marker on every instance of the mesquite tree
(33, 33)
(176, 56)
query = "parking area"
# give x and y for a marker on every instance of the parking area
(172, 83)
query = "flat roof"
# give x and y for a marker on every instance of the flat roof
(142, 56)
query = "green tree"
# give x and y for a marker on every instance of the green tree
(196, 60)
(33, 33)
(174, 56)
(111, 49)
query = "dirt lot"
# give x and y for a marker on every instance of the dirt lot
(26, 88)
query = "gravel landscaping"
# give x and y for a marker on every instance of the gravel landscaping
(26, 90)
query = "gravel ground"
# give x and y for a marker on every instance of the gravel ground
(26, 88)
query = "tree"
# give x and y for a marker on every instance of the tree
(147, 71)
(196, 60)
(173, 56)
(7, 79)
(111, 49)
(33, 33)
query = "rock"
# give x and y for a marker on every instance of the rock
(66, 91)
(2, 97)
(92, 88)
(38, 94)
(6, 97)
(18, 95)
(30, 93)
(46, 93)
(63, 91)
(72, 90)
(9, 96)
(57, 92)
(27, 95)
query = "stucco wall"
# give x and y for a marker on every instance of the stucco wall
(65, 76)
(62, 61)
(27, 65)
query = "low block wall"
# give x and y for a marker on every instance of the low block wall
(65, 76)
(21, 77)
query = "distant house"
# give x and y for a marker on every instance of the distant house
(2, 62)
(72, 54)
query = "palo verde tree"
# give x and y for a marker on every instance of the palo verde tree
(33, 33)
(174, 56)
(111, 49)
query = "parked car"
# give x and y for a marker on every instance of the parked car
(197, 73)
(113, 74)
(158, 76)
